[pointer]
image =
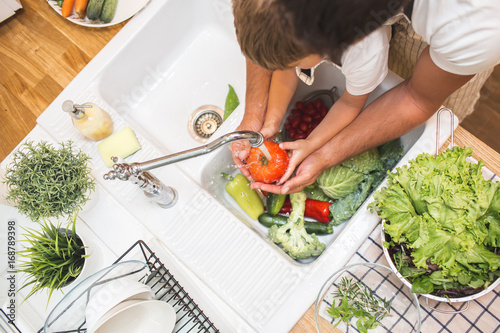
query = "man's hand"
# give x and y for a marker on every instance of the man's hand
(257, 93)
(306, 174)
(241, 149)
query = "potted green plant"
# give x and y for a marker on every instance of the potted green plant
(52, 257)
(44, 181)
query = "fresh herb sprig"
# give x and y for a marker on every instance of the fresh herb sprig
(357, 300)
(45, 181)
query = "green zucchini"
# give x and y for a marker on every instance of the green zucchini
(317, 228)
(274, 202)
(94, 9)
(108, 10)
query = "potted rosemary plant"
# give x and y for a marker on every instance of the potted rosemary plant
(44, 181)
(52, 257)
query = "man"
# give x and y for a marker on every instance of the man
(275, 35)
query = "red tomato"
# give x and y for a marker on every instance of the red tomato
(264, 170)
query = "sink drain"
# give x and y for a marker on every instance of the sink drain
(204, 121)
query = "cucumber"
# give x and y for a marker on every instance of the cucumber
(108, 10)
(317, 228)
(94, 9)
(274, 202)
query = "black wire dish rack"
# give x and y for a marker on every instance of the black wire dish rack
(141, 263)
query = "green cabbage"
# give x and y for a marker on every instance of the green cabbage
(347, 186)
(338, 181)
(365, 162)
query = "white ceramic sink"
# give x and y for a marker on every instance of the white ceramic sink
(173, 57)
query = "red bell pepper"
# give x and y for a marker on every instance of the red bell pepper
(315, 209)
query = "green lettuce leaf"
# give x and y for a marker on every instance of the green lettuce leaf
(447, 214)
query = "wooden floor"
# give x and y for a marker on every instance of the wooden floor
(484, 123)
(40, 53)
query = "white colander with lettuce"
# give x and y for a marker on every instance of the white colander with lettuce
(441, 230)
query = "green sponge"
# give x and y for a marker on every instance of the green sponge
(123, 143)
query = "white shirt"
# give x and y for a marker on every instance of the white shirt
(463, 35)
(364, 63)
(464, 39)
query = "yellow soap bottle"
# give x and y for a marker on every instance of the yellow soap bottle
(90, 120)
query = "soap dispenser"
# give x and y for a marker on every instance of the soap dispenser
(90, 120)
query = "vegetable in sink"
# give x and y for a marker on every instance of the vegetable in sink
(264, 169)
(239, 189)
(349, 184)
(293, 236)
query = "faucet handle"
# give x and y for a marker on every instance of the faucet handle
(123, 171)
(110, 176)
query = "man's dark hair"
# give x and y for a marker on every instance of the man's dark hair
(328, 27)
(276, 33)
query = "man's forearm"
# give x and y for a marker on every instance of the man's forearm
(258, 81)
(388, 117)
(397, 112)
(283, 86)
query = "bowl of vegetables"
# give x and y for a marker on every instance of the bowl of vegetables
(97, 13)
(366, 297)
(441, 226)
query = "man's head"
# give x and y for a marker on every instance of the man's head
(265, 35)
(275, 34)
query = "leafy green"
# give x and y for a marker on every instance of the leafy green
(348, 185)
(338, 181)
(390, 153)
(316, 193)
(365, 162)
(231, 103)
(344, 208)
(446, 214)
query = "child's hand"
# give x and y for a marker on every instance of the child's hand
(300, 149)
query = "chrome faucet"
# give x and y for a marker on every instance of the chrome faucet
(154, 189)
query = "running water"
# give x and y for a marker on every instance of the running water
(263, 148)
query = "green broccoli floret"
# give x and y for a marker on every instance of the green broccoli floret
(293, 236)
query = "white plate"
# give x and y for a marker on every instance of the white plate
(139, 316)
(105, 297)
(124, 10)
